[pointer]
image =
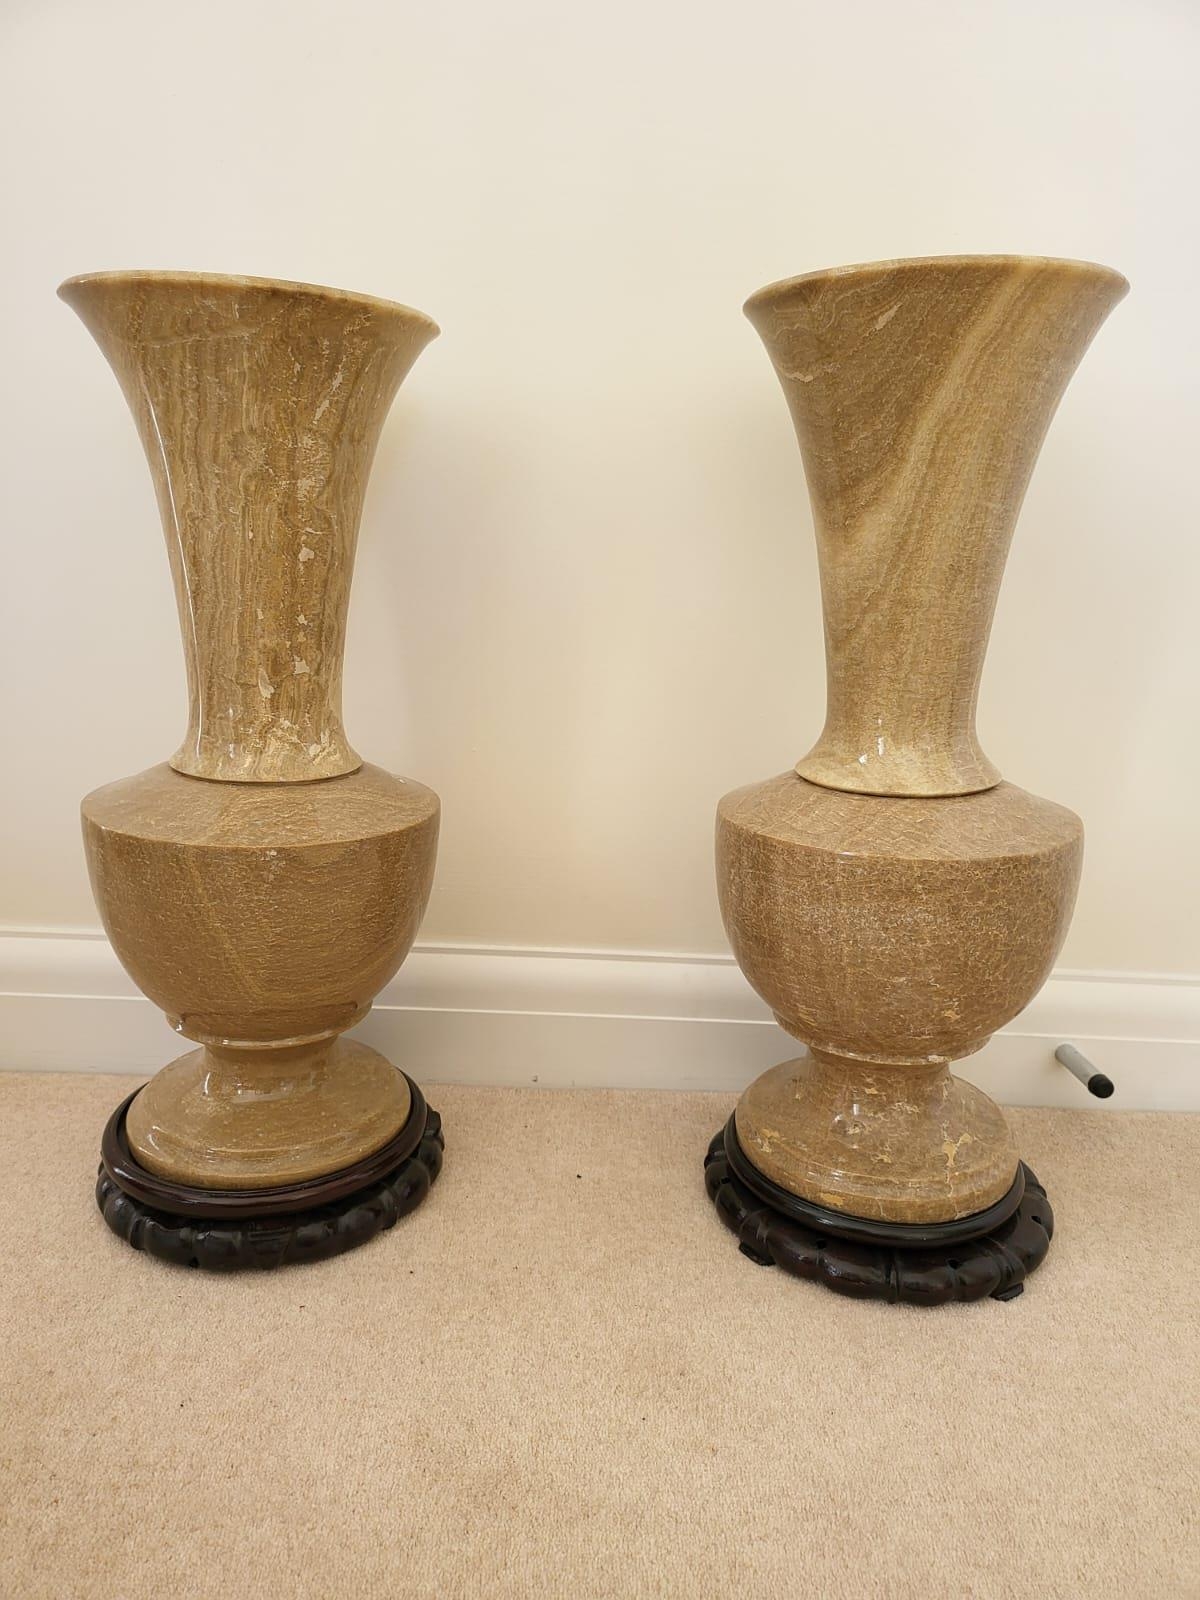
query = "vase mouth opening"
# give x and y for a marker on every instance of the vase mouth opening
(784, 289)
(74, 287)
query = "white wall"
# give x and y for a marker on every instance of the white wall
(586, 601)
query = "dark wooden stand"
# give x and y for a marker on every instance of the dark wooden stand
(226, 1230)
(991, 1253)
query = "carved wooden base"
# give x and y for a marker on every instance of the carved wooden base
(229, 1230)
(928, 1265)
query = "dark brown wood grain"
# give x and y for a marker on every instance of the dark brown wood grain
(262, 1243)
(995, 1263)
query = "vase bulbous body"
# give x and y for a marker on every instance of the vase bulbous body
(892, 899)
(263, 885)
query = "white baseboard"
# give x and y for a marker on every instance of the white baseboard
(604, 1020)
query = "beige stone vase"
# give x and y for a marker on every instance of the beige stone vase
(892, 898)
(264, 884)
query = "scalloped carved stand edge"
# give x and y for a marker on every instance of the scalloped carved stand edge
(322, 1221)
(995, 1263)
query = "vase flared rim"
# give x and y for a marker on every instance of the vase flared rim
(223, 280)
(785, 286)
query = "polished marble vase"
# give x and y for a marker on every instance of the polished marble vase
(263, 884)
(893, 899)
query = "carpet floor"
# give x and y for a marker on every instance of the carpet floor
(559, 1377)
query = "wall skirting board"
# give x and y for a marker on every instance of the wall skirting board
(610, 1019)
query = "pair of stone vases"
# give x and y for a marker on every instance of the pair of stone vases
(891, 899)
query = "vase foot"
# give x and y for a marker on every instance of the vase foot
(902, 1143)
(932, 1264)
(258, 1118)
(228, 1230)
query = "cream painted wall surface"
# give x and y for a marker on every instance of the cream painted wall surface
(586, 602)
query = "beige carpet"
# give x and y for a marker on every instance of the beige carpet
(559, 1377)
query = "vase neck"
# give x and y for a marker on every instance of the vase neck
(921, 392)
(259, 406)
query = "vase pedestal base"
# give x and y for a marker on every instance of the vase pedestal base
(228, 1230)
(991, 1253)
